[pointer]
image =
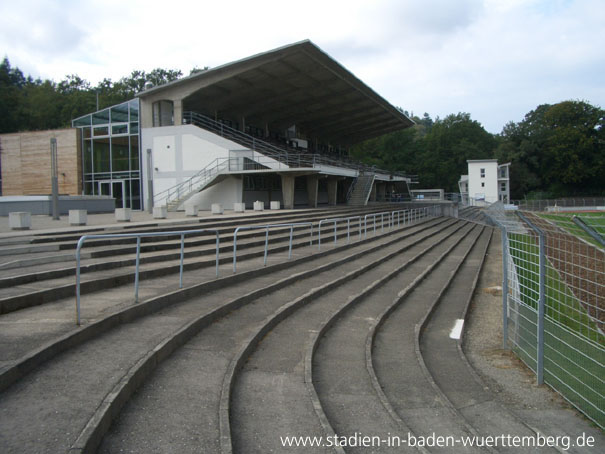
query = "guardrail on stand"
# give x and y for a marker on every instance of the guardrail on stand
(138, 237)
(267, 227)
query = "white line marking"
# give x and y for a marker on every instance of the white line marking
(457, 329)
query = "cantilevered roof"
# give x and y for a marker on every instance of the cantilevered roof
(295, 84)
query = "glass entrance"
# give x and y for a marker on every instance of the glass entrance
(115, 189)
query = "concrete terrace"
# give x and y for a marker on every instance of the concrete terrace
(343, 340)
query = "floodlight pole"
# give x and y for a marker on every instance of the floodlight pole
(54, 178)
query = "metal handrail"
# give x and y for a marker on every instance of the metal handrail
(291, 158)
(138, 236)
(374, 216)
(200, 178)
(335, 221)
(267, 227)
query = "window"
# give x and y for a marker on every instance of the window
(503, 187)
(110, 151)
(163, 113)
(483, 184)
(482, 173)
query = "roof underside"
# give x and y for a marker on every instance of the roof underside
(297, 84)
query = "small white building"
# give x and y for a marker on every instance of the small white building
(487, 182)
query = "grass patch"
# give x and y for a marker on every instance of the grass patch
(594, 220)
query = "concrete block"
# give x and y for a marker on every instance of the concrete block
(20, 220)
(78, 217)
(239, 207)
(191, 210)
(275, 205)
(160, 212)
(259, 206)
(123, 214)
(217, 208)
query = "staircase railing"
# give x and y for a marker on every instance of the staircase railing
(185, 188)
(290, 158)
(351, 189)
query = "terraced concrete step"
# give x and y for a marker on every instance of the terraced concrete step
(214, 348)
(350, 400)
(400, 375)
(272, 385)
(81, 377)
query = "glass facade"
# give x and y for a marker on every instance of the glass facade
(110, 153)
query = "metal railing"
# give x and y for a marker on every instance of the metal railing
(374, 216)
(553, 306)
(177, 192)
(562, 204)
(267, 228)
(280, 155)
(138, 237)
(595, 231)
(336, 221)
(292, 158)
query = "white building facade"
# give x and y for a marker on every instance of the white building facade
(486, 182)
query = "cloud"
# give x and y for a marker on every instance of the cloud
(496, 59)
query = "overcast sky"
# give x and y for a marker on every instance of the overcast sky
(496, 59)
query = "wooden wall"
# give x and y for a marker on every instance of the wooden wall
(25, 158)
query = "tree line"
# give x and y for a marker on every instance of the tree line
(556, 150)
(28, 104)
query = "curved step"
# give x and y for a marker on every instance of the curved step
(450, 372)
(36, 334)
(272, 383)
(393, 360)
(110, 365)
(207, 348)
(349, 400)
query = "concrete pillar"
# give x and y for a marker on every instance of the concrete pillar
(178, 112)
(312, 190)
(287, 190)
(332, 190)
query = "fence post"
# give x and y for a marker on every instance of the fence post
(504, 288)
(541, 301)
(136, 277)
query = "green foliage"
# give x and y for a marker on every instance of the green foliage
(435, 150)
(557, 149)
(27, 104)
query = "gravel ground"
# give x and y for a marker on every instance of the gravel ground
(513, 384)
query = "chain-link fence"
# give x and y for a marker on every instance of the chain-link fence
(554, 304)
(561, 205)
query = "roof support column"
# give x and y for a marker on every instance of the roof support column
(312, 190)
(332, 190)
(178, 112)
(287, 190)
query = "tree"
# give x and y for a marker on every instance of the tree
(557, 150)
(435, 150)
(28, 104)
(449, 144)
(11, 86)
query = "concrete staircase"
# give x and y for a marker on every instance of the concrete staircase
(347, 339)
(362, 189)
